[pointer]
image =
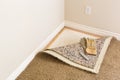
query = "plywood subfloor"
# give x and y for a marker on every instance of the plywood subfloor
(69, 36)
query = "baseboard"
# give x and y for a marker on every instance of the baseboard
(91, 29)
(21, 68)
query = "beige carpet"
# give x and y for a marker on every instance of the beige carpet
(46, 67)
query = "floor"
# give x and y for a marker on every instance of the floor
(46, 67)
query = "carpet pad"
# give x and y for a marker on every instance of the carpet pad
(46, 67)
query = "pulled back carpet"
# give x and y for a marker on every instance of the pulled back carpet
(46, 67)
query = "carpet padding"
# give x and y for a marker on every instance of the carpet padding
(46, 67)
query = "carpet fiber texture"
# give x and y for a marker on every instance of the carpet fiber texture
(46, 67)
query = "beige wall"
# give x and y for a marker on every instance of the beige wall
(105, 13)
(24, 25)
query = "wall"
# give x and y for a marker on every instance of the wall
(24, 25)
(105, 13)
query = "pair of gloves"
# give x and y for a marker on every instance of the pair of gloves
(89, 46)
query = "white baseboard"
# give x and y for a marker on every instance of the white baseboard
(21, 68)
(91, 29)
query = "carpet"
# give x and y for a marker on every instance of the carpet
(46, 67)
